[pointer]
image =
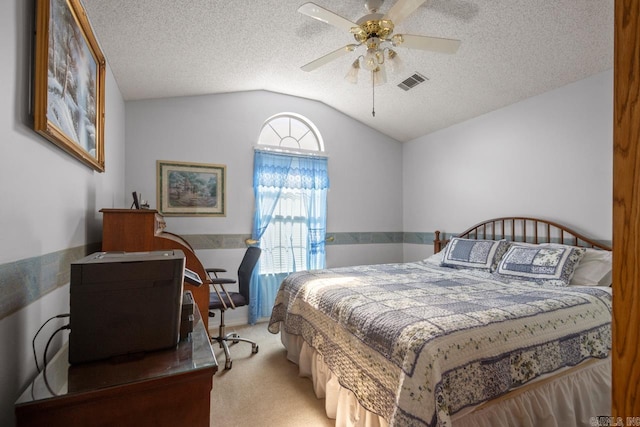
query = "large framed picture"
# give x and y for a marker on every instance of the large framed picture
(186, 189)
(69, 73)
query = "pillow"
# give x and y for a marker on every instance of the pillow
(607, 280)
(546, 264)
(436, 258)
(594, 269)
(467, 253)
(526, 244)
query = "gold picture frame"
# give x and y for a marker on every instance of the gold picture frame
(191, 189)
(69, 75)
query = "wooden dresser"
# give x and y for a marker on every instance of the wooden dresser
(156, 389)
(136, 230)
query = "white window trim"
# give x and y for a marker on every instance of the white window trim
(312, 128)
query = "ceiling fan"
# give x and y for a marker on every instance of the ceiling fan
(375, 31)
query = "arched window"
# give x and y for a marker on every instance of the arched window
(290, 183)
(291, 131)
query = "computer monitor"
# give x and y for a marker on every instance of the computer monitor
(125, 302)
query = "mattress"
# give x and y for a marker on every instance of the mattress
(420, 344)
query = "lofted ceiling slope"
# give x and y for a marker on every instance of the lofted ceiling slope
(511, 50)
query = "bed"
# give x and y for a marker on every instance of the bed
(508, 323)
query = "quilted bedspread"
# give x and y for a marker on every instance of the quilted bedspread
(417, 342)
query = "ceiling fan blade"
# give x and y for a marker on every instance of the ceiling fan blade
(401, 9)
(433, 44)
(326, 16)
(329, 57)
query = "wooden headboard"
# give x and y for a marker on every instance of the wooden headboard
(522, 229)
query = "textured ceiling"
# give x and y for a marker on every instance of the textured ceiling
(511, 50)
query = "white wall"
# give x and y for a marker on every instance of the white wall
(549, 156)
(364, 166)
(50, 200)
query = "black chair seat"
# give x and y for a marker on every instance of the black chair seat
(216, 304)
(240, 298)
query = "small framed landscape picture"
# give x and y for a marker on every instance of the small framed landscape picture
(191, 189)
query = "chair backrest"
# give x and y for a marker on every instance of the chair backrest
(246, 269)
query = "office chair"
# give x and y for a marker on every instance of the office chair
(222, 300)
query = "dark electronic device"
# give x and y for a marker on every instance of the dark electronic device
(136, 200)
(186, 318)
(192, 278)
(125, 302)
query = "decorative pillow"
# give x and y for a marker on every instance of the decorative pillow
(548, 264)
(594, 269)
(467, 253)
(436, 258)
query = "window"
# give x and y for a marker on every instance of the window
(284, 242)
(290, 184)
(291, 131)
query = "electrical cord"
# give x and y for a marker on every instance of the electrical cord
(33, 343)
(44, 359)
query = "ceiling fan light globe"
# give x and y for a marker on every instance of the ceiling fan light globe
(371, 59)
(394, 61)
(370, 64)
(352, 74)
(379, 76)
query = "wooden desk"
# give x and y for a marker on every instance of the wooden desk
(162, 388)
(135, 230)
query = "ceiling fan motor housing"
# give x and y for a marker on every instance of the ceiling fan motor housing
(372, 25)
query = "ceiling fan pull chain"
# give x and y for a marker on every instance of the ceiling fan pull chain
(373, 95)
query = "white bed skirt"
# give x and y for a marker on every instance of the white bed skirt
(570, 398)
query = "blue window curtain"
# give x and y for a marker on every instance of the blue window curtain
(272, 173)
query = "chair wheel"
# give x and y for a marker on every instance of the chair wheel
(254, 348)
(228, 364)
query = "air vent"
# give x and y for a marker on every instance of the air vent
(412, 81)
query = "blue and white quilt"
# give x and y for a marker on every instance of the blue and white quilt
(417, 342)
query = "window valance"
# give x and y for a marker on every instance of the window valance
(290, 171)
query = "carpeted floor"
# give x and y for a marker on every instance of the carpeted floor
(263, 389)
